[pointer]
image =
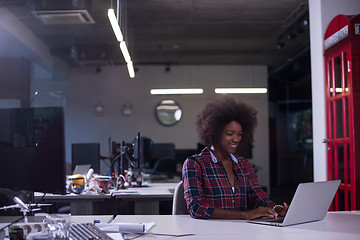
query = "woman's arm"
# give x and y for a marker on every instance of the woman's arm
(247, 215)
(193, 193)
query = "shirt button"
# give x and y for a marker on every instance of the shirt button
(233, 200)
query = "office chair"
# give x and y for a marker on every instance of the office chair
(179, 204)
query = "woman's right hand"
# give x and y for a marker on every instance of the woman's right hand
(261, 212)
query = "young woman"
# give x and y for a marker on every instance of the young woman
(218, 184)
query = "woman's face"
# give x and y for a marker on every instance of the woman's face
(230, 137)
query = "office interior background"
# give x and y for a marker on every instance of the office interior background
(178, 44)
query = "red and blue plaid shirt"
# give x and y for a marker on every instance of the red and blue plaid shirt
(207, 186)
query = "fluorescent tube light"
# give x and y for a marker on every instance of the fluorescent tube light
(177, 91)
(125, 51)
(240, 90)
(115, 25)
(131, 70)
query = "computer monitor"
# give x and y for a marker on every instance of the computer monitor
(86, 153)
(32, 149)
(142, 148)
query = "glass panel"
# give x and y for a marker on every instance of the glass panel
(332, 162)
(330, 78)
(340, 155)
(345, 73)
(332, 120)
(346, 117)
(337, 66)
(339, 119)
(348, 163)
(341, 200)
(349, 201)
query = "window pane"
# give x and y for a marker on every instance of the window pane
(331, 87)
(348, 163)
(341, 200)
(331, 120)
(345, 73)
(340, 155)
(339, 120)
(346, 117)
(337, 66)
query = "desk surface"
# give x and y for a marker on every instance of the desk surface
(336, 225)
(152, 190)
(146, 200)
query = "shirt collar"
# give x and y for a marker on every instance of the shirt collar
(214, 159)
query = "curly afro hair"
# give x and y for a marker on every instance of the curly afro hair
(212, 118)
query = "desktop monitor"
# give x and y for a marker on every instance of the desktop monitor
(32, 149)
(86, 153)
(142, 148)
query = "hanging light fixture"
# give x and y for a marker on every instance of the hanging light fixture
(115, 26)
(240, 90)
(176, 91)
(120, 38)
(125, 51)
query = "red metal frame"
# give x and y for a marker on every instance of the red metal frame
(347, 48)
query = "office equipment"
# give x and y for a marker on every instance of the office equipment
(162, 158)
(86, 153)
(24, 208)
(32, 149)
(310, 203)
(86, 231)
(142, 148)
(81, 169)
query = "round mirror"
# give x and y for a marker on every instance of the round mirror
(168, 112)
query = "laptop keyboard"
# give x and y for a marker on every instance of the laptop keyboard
(275, 220)
(87, 231)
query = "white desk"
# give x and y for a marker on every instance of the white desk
(146, 199)
(336, 226)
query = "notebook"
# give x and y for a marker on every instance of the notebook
(81, 169)
(310, 203)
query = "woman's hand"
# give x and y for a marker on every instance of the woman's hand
(282, 210)
(261, 212)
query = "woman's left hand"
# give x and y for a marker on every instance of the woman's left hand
(282, 211)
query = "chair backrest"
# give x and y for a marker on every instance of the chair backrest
(179, 204)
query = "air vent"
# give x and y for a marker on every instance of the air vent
(65, 17)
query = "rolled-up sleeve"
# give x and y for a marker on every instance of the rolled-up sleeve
(193, 192)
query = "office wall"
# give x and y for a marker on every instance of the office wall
(321, 13)
(111, 87)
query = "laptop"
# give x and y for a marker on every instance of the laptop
(310, 203)
(81, 169)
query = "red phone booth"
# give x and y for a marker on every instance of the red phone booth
(342, 86)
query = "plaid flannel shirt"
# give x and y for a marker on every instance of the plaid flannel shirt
(207, 186)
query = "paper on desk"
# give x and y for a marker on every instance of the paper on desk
(124, 192)
(125, 227)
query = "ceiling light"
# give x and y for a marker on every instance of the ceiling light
(125, 51)
(130, 67)
(115, 25)
(240, 90)
(177, 91)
